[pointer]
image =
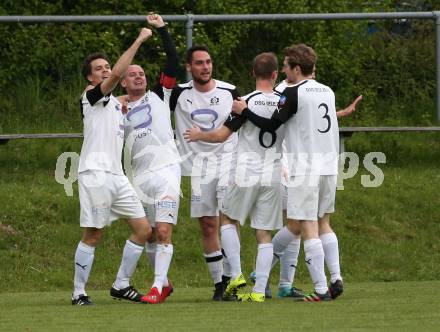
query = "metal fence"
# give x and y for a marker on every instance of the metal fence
(190, 19)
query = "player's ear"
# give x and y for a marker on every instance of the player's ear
(188, 67)
(123, 83)
(274, 75)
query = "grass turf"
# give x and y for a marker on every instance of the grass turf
(392, 306)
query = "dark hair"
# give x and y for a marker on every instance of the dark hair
(87, 68)
(195, 48)
(264, 65)
(301, 55)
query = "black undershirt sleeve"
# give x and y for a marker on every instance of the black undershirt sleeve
(234, 121)
(287, 107)
(261, 122)
(172, 61)
(168, 75)
(94, 95)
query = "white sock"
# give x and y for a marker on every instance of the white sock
(289, 261)
(231, 246)
(215, 265)
(314, 257)
(226, 265)
(84, 256)
(164, 253)
(150, 249)
(331, 254)
(130, 256)
(263, 265)
(280, 242)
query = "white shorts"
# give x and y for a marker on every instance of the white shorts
(206, 198)
(105, 197)
(262, 203)
(159, 192)
(311, 196)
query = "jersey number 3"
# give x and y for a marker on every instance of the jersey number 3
(326, 117)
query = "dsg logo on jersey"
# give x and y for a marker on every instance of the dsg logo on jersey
(205, 116)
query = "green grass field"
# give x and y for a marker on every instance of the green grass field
(390, 254)
(393, 306)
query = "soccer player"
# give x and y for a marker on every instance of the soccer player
(287, 240)
(205, 102)
(154, 158)
(312, 142)
(105, 193)
(256, 190)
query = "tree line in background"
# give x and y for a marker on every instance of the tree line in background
(392, 62)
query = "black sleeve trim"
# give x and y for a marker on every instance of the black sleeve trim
(158, 89)
(94, 95)
(234, 122)
(266, 124)
(288, 104)
(175, 94)
(172, 61)
(252, 95)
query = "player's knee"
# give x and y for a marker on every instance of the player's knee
(163, 235)
(143, 234)
(324, 226)
(209, 230)
(92, 237)
(294, 227)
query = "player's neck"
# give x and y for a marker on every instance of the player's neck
(303, 78)
(134, 96)
(204, 87)
(264, 85)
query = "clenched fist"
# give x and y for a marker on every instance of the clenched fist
(144, 35)
(155, 20)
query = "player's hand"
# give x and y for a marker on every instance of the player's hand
(192, 134)
(124, 104)
(144, 35)
(238, 106)
(350, 109)
(285, 173)
(155, 20)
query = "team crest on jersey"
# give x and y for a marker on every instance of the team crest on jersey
(214, 101)
(282, 100)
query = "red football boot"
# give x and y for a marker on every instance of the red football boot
(167, 290)
(153, 297)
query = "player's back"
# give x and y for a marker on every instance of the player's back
(312, 134)
(256, 148)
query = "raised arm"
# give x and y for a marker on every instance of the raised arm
(349, 109)
(169, 73)
(109, 84)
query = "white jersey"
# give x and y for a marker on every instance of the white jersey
(308, 112)
(149, 135)
(258, 151)
(103, 132)
(208, 110)
(280, 87)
